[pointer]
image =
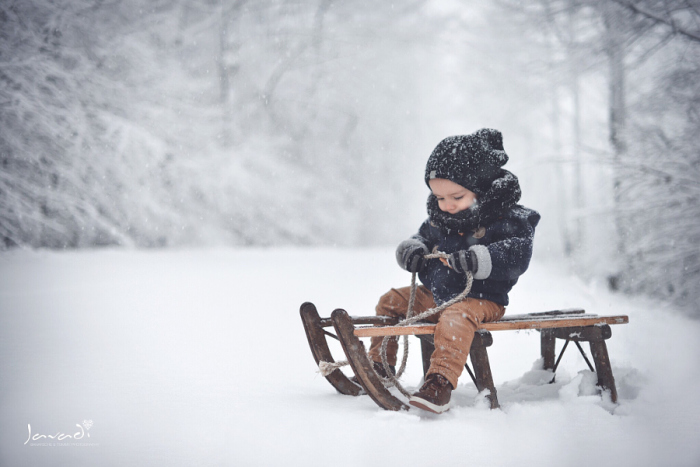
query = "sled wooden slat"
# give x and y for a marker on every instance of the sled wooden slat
(416, 330)
(554, 323)
(502, 325)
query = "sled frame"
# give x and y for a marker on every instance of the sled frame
(552, 325)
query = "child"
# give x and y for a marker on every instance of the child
(473, 217)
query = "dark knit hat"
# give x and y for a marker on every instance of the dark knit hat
(472, 161)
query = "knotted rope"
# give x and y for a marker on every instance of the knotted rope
(326, 368)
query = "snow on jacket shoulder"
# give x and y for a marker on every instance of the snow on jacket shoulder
(503, 253)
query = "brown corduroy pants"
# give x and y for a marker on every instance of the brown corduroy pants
(454, 333)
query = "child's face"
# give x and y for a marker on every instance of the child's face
(451, 197)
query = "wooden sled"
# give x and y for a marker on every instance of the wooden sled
(573, 325)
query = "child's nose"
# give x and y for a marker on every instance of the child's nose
(448, 206)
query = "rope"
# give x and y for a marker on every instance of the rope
(410, 319)
(326, 368)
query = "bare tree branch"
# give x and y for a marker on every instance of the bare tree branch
(668, 21)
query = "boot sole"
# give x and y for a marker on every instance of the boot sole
(427, 405)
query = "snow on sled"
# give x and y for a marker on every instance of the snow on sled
(572, 325)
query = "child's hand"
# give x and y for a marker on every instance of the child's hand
(462, 261)
(410, 255)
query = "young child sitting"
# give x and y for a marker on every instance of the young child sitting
(473, 217)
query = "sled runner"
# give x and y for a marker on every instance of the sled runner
(573, 325)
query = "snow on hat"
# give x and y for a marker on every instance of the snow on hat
(472, 161)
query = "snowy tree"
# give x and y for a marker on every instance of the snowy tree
(660, 189)
(156, 123)
(648, 52)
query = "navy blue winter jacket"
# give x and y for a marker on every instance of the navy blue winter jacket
(503, 253)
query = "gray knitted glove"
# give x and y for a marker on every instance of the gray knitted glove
(463, 261)
(409, 255)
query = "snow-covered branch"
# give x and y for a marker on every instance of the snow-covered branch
(666, 18)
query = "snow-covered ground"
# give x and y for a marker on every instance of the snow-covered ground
(198, 357)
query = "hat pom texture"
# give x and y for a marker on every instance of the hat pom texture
(472, 161)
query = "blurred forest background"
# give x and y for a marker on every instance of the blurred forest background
(153, 123)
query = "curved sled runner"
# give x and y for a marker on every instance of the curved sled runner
(316, 335)
(361, 365)
(344, 326)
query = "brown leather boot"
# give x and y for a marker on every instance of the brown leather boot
(434, 395)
